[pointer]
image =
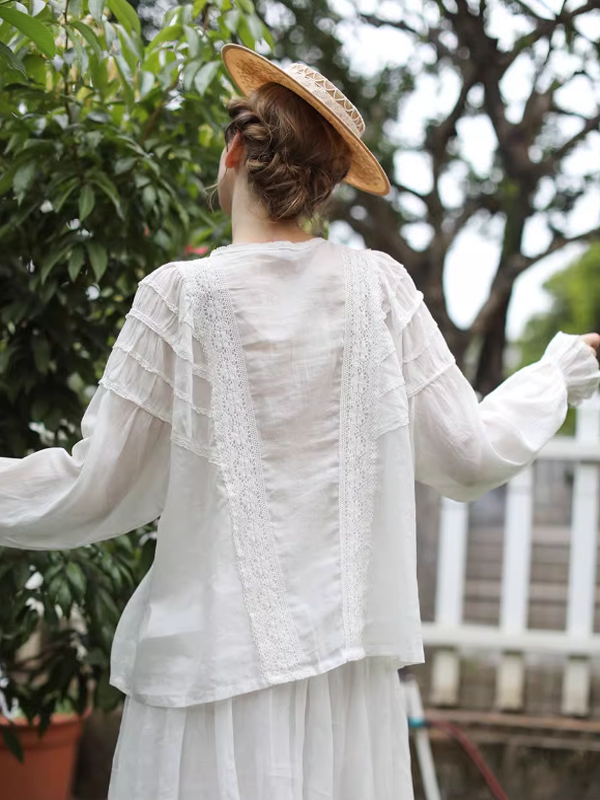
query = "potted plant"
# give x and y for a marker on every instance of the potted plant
(58, 613)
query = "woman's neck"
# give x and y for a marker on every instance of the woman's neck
(248, 225)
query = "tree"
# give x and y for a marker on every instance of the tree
(106, 148)
(455, 46)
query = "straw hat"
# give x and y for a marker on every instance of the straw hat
(249, 70)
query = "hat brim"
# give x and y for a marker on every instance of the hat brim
(250, 70)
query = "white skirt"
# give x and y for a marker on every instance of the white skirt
(342, 735)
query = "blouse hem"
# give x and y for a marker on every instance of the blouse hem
(120, 682)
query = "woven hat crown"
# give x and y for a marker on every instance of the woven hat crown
(330, 95)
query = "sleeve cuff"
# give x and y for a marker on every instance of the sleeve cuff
(577, 364)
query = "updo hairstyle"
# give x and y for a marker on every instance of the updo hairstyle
(295, 157)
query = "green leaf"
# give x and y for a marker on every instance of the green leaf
(129, 49)
(97, 9)
(76, 578)
(168, 34)
(126, 15)
(7, 55)
(268, 37)
(245, 34)
(65, 191)
(24, 178)
(11, 740)
(99, 74)
(41, 353)
(149, 197)
(124, 164)
(246, 5)
(87, 199)
(89, 35)
(53, 259)
(35, 30)
(145, 82)
(193, 40)
(205, 76)
(82, 53)
(256, 26)
(198, 6)
(232, 19)
(35, 65)
(64, 597)
(126, 80)
(107, 186)
(98, 258)
(76, 262)
(189, 73)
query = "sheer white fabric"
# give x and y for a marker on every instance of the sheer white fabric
(274, 404)
(342, 735)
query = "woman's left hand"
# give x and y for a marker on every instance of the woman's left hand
(593, 340)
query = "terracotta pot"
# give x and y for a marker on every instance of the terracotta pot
(47, 770)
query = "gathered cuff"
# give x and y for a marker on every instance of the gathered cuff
(577, 364)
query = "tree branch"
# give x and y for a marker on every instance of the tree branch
(401, 187)
(512, 268)
(432, 36)
(549, 164)
(380, 230)
(546, 28)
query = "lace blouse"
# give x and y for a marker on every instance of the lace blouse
(273, 404)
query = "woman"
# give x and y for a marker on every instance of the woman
(274, 403)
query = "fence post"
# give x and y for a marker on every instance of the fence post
(510, 678)
(582, 566)
(452, 553)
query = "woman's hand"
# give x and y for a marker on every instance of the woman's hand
(593, 340)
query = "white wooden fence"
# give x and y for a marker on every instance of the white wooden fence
(512, 638)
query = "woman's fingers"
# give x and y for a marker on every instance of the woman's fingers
(593, 340)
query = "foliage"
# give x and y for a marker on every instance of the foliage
(108, 142)
(80, 595)
(105, 154)
(464, 73)
(574, 308)
(574, 305)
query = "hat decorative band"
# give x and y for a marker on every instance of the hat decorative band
(330, 95)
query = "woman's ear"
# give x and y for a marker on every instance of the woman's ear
(235, 153)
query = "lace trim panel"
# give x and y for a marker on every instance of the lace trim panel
(236, 434)
(358, 443)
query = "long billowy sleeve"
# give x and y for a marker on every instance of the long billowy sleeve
(115, 478)
(462, 446)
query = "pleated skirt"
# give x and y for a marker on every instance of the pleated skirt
(342, 735)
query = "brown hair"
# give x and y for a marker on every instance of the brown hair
(294, 156)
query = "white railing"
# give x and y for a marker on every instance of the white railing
(512, 638)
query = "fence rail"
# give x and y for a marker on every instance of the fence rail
(512, 638)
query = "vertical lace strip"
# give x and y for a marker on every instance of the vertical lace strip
(358, 437)
(237, 440)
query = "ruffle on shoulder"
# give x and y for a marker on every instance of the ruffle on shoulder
(420, 346)
(156, 363)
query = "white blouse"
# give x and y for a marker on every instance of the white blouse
(273, 404)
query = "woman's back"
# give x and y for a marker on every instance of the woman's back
(285, 377)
